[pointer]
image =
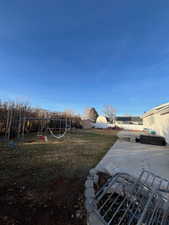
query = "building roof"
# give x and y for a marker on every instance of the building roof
(162, 109)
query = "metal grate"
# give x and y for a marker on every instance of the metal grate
(125, 200)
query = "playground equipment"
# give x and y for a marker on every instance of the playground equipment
(56, 127)
(16, 128)
(58, 136)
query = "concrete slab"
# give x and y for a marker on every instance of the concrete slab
(123, 134)
(132, 157)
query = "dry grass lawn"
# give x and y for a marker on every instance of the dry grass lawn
(43, 183)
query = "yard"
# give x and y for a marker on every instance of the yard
(43, 183)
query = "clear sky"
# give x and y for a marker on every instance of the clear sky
(70, 54)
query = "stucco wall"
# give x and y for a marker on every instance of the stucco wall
(130, 126)
(159, 123)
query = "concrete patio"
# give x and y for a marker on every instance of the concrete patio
(131, 157)
(126, 156)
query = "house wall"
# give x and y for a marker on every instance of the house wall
(159, 123)
(129, 120)
(130, 126)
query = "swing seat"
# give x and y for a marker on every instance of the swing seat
(43, 138)
(57, 136)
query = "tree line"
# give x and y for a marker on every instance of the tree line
(17, 119)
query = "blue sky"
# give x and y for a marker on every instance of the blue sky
(62, 54)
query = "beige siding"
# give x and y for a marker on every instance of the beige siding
(159, 123)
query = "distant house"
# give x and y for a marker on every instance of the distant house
(158, 119)
(129, 120)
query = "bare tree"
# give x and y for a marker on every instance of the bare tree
(110, 112)
(69, 112)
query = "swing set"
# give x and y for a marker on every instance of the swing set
(15, 124)
(56, 127)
